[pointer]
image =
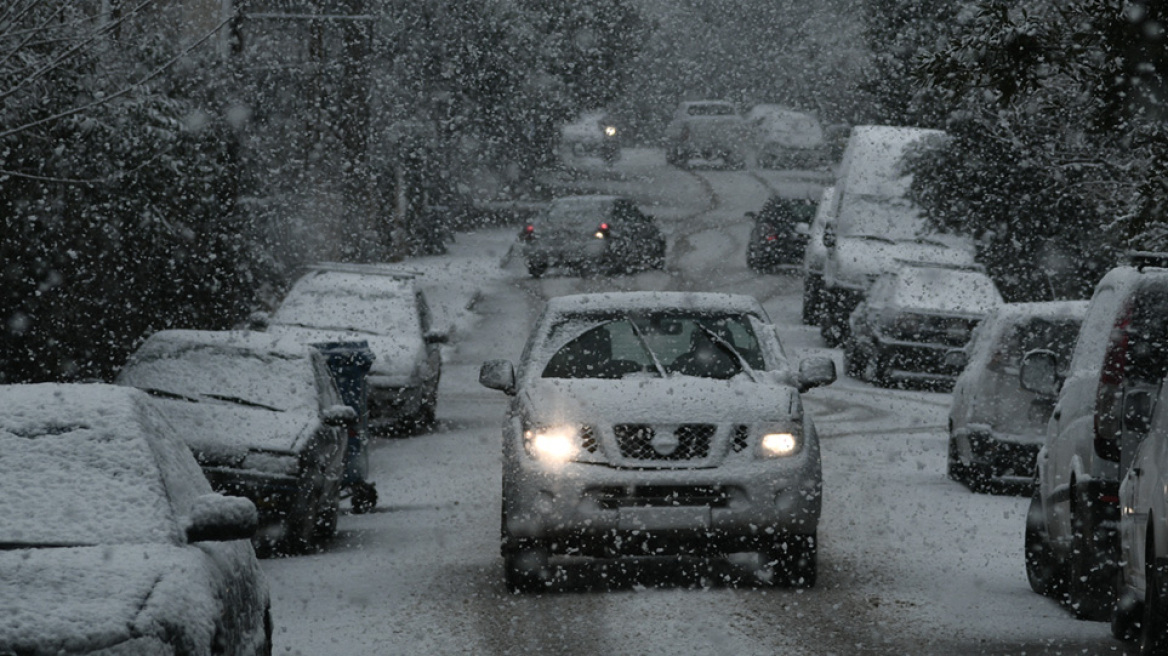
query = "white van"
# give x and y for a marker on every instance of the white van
(874, 224)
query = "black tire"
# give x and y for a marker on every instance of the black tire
(536, 268)
(1091, 573)
(1126, 617)
(954, 468)
(1042, 568)
(794, 560)
(812, 312)
(363, 497)
(1154, 624)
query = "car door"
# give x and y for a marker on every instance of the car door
(1143, 496)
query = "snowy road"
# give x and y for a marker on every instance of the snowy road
(910, 563)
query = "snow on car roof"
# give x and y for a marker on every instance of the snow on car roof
(76, 467)
(700, 301)
(873, 159)
(228, 341)
(353, 282)
(1046, 309)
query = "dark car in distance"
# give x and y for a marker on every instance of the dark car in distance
(593, 234)
(779, 237)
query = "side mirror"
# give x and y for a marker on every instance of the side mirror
(816, 372)
(955, 359)
(259, 320)
(803, 228)
(437, 337)
(498, 375)
(829, 237)
(339, 416)
(1137, 411)
(219, 518)
(1039, 373)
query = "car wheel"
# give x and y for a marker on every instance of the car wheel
(794, 559)
(954, 468)
(1154, 627)
(1091, 576)
(536, 268)
(363, 497)
(1042, 568)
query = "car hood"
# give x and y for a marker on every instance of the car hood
(678, 399)
(221, 433)
(859, 257)
(398, 355)
(78, 599)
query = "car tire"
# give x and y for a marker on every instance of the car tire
(1126, 617)
(363, 497)
(794, 560)
(1154, 624)
(1090, 579)
(1042, 567)
(536, 268)
(954, 468)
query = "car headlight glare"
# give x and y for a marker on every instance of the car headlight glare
(610, 130)
(779, 444)
(553, 444)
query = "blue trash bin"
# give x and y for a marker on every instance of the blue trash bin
(349, 363)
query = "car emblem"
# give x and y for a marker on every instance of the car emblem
(665, 443)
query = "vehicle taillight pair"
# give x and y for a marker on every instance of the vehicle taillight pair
(602, 231)
(528, 232)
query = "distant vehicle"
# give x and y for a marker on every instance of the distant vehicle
(263, 418)
(786, 138)
(814, 257)
(658, 423)
(779, 236)
(594, 234)
(383, 305)
(874, 224)
(710, 130)
(593, 134)
(995, 426)
(1101, 414)
(113, 541)
(1141, 596)
(912, 317)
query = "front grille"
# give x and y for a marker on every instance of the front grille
(588, 439)
(741, 438)
(660, 496)
(685, 442)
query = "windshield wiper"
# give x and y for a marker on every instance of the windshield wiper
(167, 394)
(645, 345)
(880, 238)
(347, 329)
(728, 348)
(238, 401)
(12, 546)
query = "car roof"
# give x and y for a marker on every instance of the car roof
(700, 301)
(1044, 310)
(370, 281)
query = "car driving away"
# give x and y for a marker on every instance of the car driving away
(995, 426)
(384, 306)
(263, 418)
(112, 540)
(786, 138)
(778, 239)
(657, 424)
(912, 317)
(592, 234)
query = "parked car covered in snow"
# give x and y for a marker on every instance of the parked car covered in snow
(1120, 358)
(779, 236)
(814, 257)
(995, 426)
(264, 419)
(786, 138)
(112, 540)
(874, 223)
(912, 317)
(596, 234)
(1141, 595)
(707, 130)
(658, 423)
(592, 134)
(384, 306)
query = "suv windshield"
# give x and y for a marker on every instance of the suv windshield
(670, 343)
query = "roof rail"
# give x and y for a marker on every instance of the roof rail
(1143, 259)
(971, 266)
(388, 270)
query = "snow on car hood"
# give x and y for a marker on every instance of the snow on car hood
(397, 355)
(678, 399)
(77, 599)
(221, 432)
(863, 257)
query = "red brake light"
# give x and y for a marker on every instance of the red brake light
(528, 232)
(604, 226)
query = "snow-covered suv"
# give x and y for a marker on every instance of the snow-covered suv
(1121, 354)
(657, 424)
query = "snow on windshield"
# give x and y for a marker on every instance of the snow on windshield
(946, 290)
(271, 380)
(333, 309)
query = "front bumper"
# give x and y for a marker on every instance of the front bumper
(598, 510)
(1005, 457)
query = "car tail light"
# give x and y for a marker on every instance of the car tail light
(528, 232)
(1109, 395)
(602, 231)
(772, 237)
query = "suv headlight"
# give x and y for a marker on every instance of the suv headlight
(553, 444)
(779, 441)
